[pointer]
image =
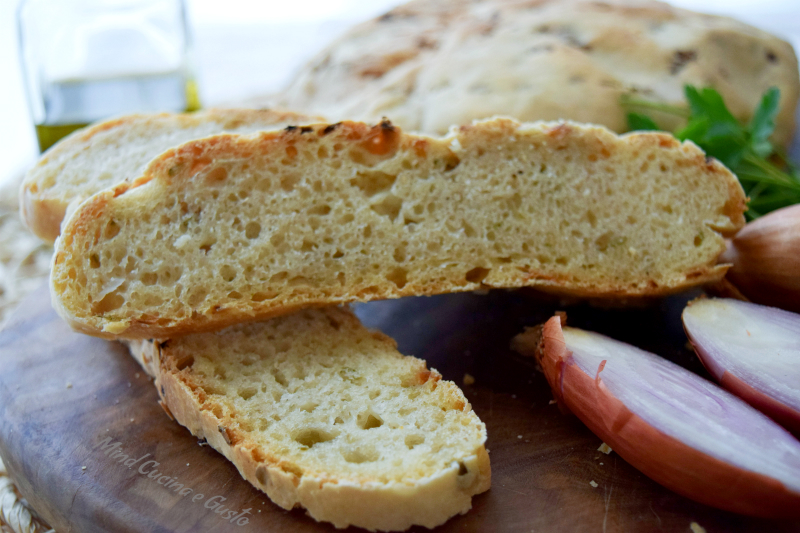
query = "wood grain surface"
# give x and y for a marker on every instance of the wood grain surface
(63, 394)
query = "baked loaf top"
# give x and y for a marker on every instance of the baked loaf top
(107, 153)
(318, 411)
(432, 63)
(232, 228)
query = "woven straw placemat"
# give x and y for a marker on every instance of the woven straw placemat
(24, 266)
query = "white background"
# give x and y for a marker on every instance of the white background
(249, 47)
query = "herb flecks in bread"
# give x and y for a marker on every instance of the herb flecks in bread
(232, 228)
(428, 64)
(318, 411)
(107, 153)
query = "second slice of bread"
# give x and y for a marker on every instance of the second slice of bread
(233, 228)
(107, 153)
(319, 412)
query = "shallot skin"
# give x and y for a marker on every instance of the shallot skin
(765, 259)
(751, 350)
(664, 458)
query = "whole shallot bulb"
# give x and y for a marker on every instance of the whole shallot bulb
(766, 259)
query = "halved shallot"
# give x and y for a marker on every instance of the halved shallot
(753, 351)
(676, 427)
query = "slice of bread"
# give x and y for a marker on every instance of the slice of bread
(233, 228)
(319, 412)
(107, 153)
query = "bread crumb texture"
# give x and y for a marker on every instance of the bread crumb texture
(318, 411)
(240, 227)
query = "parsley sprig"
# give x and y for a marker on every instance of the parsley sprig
(767, 176)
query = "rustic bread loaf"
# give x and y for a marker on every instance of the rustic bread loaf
(232, 228)
(318, 411)
(105, 154)
(432, 63)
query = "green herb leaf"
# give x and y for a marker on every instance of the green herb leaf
(709, 103)
(639, 122)
(763, 123)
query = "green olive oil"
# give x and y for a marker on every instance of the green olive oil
(72, 104)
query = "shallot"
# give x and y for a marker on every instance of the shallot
(765, 258)
(679, 429)
(751, 350)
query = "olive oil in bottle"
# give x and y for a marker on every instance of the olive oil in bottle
(72, 104)
(90, 60)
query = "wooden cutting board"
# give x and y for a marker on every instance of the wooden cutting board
(64, 395)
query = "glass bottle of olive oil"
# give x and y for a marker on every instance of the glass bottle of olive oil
(88, 60)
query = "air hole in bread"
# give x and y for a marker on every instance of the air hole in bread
(261, 474)
(365, 454)
(477, 274)
(389, 206)
(698, 239)
(451, 161)
(184, 362)
(247, 393)
(252, 230)
(279, 277)
(216, 175)
(206, 246)
(400, 253)
(196, 295)
(112, 228)
(110, 302)
(235, 295)
(94, 261)
(288, 181)
(469, 231)
(373, 182)
(398, 276)
(368, 420)
(309, 407)
(279, 377)
(414, 440)
(321, 210)
(298, 281)
(227, 272)
(309, 437)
